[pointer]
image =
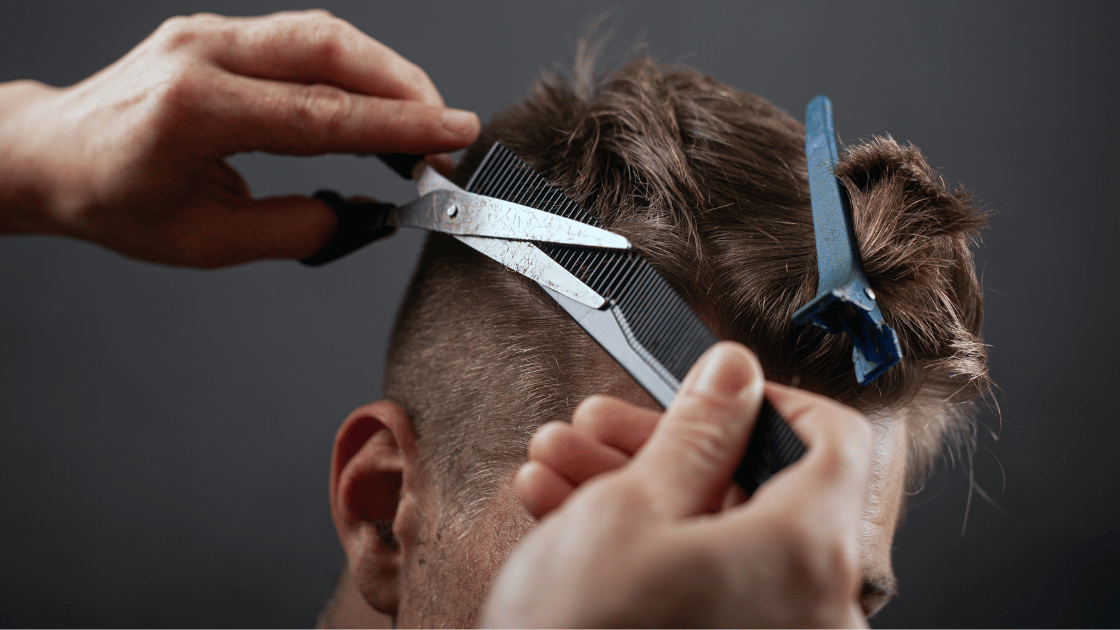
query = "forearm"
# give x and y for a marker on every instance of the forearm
(26, 179)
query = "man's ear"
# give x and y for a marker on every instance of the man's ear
(373, 477)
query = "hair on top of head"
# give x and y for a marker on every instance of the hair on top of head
(710, 185)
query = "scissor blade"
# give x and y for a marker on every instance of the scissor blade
(444, 207)
(466, 214)
(429, 180)
(524, 258)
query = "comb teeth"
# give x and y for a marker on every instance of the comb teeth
(503, 175)
(661, 321)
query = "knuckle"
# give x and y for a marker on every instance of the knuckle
(428, 120)
(705, 443)
(176, 31)
(591, 410)
(181, 31)
(205, 19)
(326, 34)
(319, 13)
(316, 31)
(182, 91)
(415, 75)
(547, 438)
(323, 106)
(173, 24)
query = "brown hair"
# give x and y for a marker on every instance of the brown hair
(710, 184)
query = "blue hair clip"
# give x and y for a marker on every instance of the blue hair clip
(845, 301)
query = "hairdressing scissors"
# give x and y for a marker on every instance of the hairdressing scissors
(502, 230)
(632, 312)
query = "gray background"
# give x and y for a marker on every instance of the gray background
(165, 434)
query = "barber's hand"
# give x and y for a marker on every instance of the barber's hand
(645, 544)
(133, 157)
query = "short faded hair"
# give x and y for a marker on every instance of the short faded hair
(710, 184)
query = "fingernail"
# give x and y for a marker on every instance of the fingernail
(459, 122)
(725, 372)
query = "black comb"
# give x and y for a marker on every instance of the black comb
(646, 326)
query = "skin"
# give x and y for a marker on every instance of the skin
(143, 171)
(636, 503)
(639, 503)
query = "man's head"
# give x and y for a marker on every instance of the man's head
(710, 185)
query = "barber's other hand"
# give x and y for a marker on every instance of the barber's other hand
(645, 544)
(133, 157)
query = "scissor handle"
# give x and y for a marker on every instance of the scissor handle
(359, 224)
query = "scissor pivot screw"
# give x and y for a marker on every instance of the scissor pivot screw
(869, 293)
(452, 210)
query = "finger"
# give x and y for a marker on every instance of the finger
(316, 47)
(802, 527)
(540, 489)
(832, 476)
(687, 463)
(275, 227)
(734, 496)
(615, 422)
(573, 456)
(235, 114)
(442, 162)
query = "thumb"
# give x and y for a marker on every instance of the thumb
(689, 459)
(291, 226)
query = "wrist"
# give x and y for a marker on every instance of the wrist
(26, 181)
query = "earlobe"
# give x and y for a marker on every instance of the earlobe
(373, 455)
